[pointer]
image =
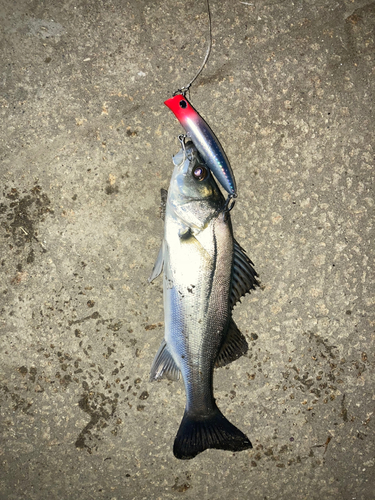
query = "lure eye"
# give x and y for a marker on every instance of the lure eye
(183, 104)
(200, 173)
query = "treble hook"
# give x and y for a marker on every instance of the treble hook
(189, 154)
(228, 205)
(182, 138)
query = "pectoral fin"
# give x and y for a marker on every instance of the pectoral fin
(158, 267)
(234, 346)
(164, 365)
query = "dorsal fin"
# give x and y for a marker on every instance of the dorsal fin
(244, 276)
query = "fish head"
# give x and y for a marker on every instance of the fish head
(193, 192)
(192, 179)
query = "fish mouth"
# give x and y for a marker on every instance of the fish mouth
(187, 156)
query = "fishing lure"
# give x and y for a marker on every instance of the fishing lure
(204, 140)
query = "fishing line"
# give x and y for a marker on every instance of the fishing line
(183, 90)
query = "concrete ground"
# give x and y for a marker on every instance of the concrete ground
(86, 145)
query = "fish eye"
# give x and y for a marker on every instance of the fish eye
(183, 104)
(200, 173)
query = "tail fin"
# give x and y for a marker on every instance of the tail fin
(197, 434)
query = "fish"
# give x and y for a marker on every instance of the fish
(205, 273)
(204, 140)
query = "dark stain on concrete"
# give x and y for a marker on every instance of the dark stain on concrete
(94, 315)
(24, 213)
(182, 484)
(101, 409)
(20, 215)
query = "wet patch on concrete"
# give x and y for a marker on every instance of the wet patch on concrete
(20, 215)
(101, 410)
(17, 402)
(183, 483)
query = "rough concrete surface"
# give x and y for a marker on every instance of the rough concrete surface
(86, 146)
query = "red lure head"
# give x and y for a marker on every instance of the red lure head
(181, 108)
